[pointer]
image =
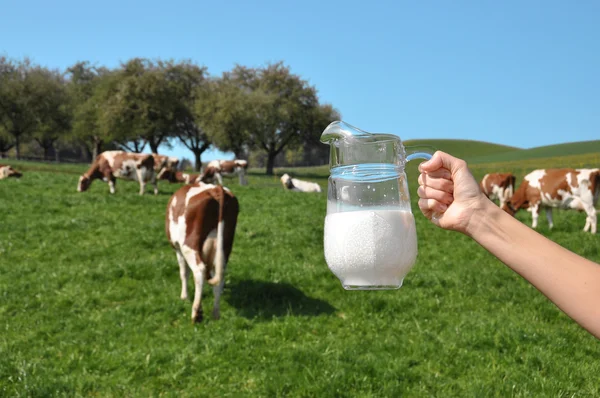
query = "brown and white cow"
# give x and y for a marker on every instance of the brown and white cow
(217, 169)
(498, 186)
(179, 176)
(7, 171)
(293, 184)
(164, 164)
(561, 188)
(110, 165)
(200, 225)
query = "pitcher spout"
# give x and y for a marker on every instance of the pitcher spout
(339, 130)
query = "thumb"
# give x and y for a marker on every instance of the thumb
(443, 160)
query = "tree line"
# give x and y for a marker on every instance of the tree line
(145, 103)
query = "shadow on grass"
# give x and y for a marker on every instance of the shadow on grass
(265, 300)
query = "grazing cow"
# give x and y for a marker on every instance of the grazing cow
(294, 184)
(498, 186)
(563, 188)
(164, 164)
(7, 171)
(110, 165)
(200, 225)
(178, 176)
(217, 169)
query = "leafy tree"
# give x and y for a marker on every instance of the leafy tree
(141, 105)
(229, 112)
(18, 100)
(282, 104)
(86, 87)
(190, 87)
(6, 142)
(53, 112)
(32, 103)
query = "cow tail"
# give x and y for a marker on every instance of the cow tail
(220, 255)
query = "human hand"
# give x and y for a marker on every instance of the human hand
(449, 195)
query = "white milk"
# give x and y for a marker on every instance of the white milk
(370, 248)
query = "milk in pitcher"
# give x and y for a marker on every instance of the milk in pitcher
(370, 248)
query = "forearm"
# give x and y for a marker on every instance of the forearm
(570, 281)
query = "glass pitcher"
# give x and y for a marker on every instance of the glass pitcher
(370, 237)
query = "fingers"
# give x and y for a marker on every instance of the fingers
(442, 184)
(443, 160)
(427, 192)
(429, 206)
(440, 173)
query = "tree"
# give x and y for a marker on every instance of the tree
(229, 112)
(87, 86)
(282, 104)
(141, 105)
(18, 100)
(6, 143)
(191, 88)
(32, 103)
(54, 116)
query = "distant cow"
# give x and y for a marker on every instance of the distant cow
(111, 165)
(498, 186)
(164, 164)
(200, 225)
(7, 171)
(217, 169)
(562, 188)
(293, 184)
(178, 176)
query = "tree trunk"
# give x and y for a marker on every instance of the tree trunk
(46, 152)
(56, 154)
(97, 147)
(198, 157)
(153, 146)
(17, 147)
(271, 162)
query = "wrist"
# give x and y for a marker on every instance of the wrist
(483, 215)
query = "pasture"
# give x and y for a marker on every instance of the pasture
(90, 304)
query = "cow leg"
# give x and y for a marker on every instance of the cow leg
(502, 201)
(154, 181)
(192, 257)
(591, 219)
(588, 223)
(111, 185)
(590, 211)
(535, 212)
(140, 177)
(183, 274)
(549, 216)
(219, 178)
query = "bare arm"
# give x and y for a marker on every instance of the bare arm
(451, 198)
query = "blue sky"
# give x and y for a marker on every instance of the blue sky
(511, 72)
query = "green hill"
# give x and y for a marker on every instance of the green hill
(486, 152)
(568, 149)
(465, 149)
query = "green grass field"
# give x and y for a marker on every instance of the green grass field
(90, 305)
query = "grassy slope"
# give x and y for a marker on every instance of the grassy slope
(550, 151)
(463, 148)
(90, 306)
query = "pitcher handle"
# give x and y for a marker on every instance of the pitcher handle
(419, 152)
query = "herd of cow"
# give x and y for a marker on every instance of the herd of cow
(576, 189)
(201, 216)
